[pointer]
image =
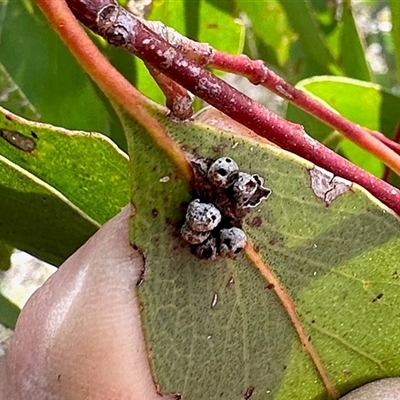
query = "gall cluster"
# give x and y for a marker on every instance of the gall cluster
(213, 221)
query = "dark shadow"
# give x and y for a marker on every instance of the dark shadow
(192, 13)
(389, 114)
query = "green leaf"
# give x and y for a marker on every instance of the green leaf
(38, 219)
(302, 19)
(46, 72)
(8, 312)
(375, 108)
(352, 50)
(273, 47)
(5, 256)
(204, 21)
(55, 196)
(13, 98)
(85, 167)
(307, 45)
(217, 329)
(395, 12)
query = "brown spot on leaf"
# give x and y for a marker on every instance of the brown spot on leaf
(326, 186)
(249, 393)
(270, 286)
(18, 140)
(256, 222)
(154, 212)
(34, 135)
(9, 117)
(169, 221)
(377, 297)
(220, 149)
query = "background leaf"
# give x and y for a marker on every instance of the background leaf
(13, 98)
(375, 108)
(216, 329)
(8, 312)
(302, 18)
(204, 21)
(46, 72)
(28, 222)
(86, 167)
(395, 12)
(352, 49)
(274, 47)
(307, 38)
(5, 256)
(54, 197)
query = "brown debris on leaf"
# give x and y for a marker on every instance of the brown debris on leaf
(326, 186)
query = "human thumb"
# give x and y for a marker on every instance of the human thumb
(79, 336)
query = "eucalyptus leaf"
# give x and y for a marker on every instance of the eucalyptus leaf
(395, 13)
(375, 108)
(86, 167)
(303, 20)
(352, 47)
(46, 72)
(204, 21)
(218, 329)
(37, 219)
(5, 256)
(57, 186)
(274, 47)
(13, 98)
(8, 312)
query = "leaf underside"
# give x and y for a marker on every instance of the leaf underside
(216, 329)
(56, 195)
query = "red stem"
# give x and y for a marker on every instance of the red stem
(113, 84)
(122, 29)
(393, 144)
(178, 99)
(258, 73)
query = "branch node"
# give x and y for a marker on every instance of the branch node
(116, 25)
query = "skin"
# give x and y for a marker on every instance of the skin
(79, 336)
(383, 389)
